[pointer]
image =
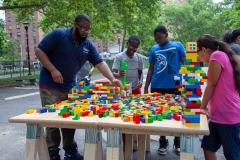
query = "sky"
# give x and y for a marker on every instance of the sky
(2, 15)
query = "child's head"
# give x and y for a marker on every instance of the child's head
(161, 35)
(231, 36)
(207, 44)
(132, 45)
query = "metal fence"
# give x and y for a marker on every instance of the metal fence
(10, 71)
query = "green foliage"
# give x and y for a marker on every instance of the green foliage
(8, 50)
(109, 17)
(194, 18)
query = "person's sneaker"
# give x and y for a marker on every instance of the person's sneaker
(177, 146)
(54, 155)
(163, 146)
(72, 153)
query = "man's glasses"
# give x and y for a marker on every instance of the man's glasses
(84, 29)
(131, 47)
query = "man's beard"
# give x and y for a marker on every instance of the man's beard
(78, 36)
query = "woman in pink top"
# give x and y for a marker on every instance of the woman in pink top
(222, 95)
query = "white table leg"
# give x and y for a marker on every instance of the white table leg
(113, 144)
(31, 142)
(128, 147)
(42, 145)
(141, 147)
(187, 147)
(135, 142)
(92, 144)
(148, 148)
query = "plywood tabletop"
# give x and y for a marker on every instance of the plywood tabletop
(53, 120)
(165, 126)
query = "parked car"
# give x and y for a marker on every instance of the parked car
(37, 65)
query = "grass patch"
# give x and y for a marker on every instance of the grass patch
(9, 81)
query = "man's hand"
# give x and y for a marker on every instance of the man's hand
(57, 76)
(206, 112)
(145, 91)
(90, 73)
(139, 85)
(117, 83)
(121, 74)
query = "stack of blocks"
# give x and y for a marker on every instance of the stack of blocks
(104, 90)
(191, 86)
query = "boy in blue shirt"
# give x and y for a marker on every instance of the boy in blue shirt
(165, 60)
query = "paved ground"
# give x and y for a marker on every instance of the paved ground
(12, 136)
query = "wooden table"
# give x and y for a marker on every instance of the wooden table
(36, 141)
(115, 126)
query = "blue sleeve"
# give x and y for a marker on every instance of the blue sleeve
(182, 51)
(94, 56)
(151, 56)
(50, 41)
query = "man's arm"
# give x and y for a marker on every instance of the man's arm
(90, 73)
(106, 72)
(183, 59)
(149, 76)
(43, 58)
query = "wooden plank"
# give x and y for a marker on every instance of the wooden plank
(53, 120)
(42, 148)
(141, 147)
(113, 153)
(128, 146)
(135, 142)
(31, 149)
(90, 151)
(166, 126)
(186, 156)
(148, 148)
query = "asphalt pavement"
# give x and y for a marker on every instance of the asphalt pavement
(16, 100)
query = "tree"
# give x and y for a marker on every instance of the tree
(192, 19)
(110, 17)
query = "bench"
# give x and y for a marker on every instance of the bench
(20, 82)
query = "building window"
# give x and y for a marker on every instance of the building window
(25, 41)
(104, 45)
(9, 19)
(19, 50)
(34, 33)
(99, 45)
(18, 34)
(10, 27)
(111, 44)
(25, 34)
(35, 49)
(18, 26)
(33, 25)
(9, 12)
(33, 17)
(19, 42)
(10, 35)
(99, 40)
(26, 51)
(105, 50)
(34, 41)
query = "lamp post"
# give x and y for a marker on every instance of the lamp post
(26, 28)
(119, 44)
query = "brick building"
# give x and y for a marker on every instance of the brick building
(35, 35)
(18, 32)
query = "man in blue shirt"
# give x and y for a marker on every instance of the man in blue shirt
(62, 54)
(165, 59)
